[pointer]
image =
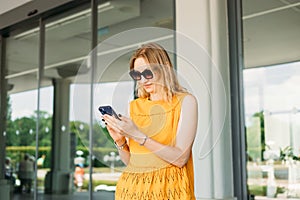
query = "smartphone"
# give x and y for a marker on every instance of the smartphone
(108, 110)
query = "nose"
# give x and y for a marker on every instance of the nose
(143, 79)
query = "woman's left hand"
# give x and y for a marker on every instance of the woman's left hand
(125, 127)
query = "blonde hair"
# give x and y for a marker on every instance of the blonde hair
(159, 61)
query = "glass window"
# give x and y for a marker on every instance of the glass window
(67, 44)
(22, 67)
(272, 127)
(271, 75)
(65, 92)
(123, 26)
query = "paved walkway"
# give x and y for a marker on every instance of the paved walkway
(103, 195)
(104, 176)
(96, 176)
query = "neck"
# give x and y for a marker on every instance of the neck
(155, 97)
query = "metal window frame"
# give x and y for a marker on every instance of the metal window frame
(94, 28)
(25, 14)
(3, 106)
(239, 161)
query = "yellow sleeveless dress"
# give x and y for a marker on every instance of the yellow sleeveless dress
(147, 177)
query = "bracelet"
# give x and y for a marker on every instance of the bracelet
(120, 147)
(145, 139)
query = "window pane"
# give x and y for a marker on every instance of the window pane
(22, 67)
(272, 127)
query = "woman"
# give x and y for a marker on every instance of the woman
(156, 141)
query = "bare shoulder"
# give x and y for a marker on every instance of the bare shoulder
(189, 99)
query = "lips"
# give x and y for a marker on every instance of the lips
(147, 85)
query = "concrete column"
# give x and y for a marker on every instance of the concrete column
(203, 62)
(4, 184)
(60, 180)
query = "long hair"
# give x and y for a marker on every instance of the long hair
(160, 62)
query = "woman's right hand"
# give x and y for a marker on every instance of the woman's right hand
(117, 137)
(120, 140)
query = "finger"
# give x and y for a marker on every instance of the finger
(125, 119)
(106, 116)
(116, 130)
(110, 129)
(113, 122)
(113, 128)
(109, 119)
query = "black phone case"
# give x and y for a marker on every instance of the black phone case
(108, 110)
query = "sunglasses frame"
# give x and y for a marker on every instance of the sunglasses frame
(136, 75)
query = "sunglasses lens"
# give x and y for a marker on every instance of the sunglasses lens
(147, 74)
(135, 75)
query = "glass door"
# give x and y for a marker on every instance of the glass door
(58, 107)
(22, 67)
(271, 75)
(67, 44)
(123, 26)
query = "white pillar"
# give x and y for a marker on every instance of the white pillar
(60, 180)
(203, 63)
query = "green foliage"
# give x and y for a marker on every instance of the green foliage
(24, 125)
(262, 131)
(22, 131)
(253, 139)
(286, 153)
(16, 153)
(21, 138)
(9, 111)
(261, 190)
(101, 136)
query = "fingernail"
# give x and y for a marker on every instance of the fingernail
(105, 123)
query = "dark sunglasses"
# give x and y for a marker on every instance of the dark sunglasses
(136, 75)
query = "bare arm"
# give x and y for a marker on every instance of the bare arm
(123, 147)
(177, 155)
(125, 155)
(121, 142)
(187, 127)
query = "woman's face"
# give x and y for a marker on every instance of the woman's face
(140, 65)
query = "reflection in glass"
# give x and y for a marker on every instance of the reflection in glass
(272, 128)
(67, 44)
(22, 67)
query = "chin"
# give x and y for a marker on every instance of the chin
(149, 90)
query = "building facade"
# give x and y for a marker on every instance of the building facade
(61, 59)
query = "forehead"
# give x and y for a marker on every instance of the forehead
(140, 64)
